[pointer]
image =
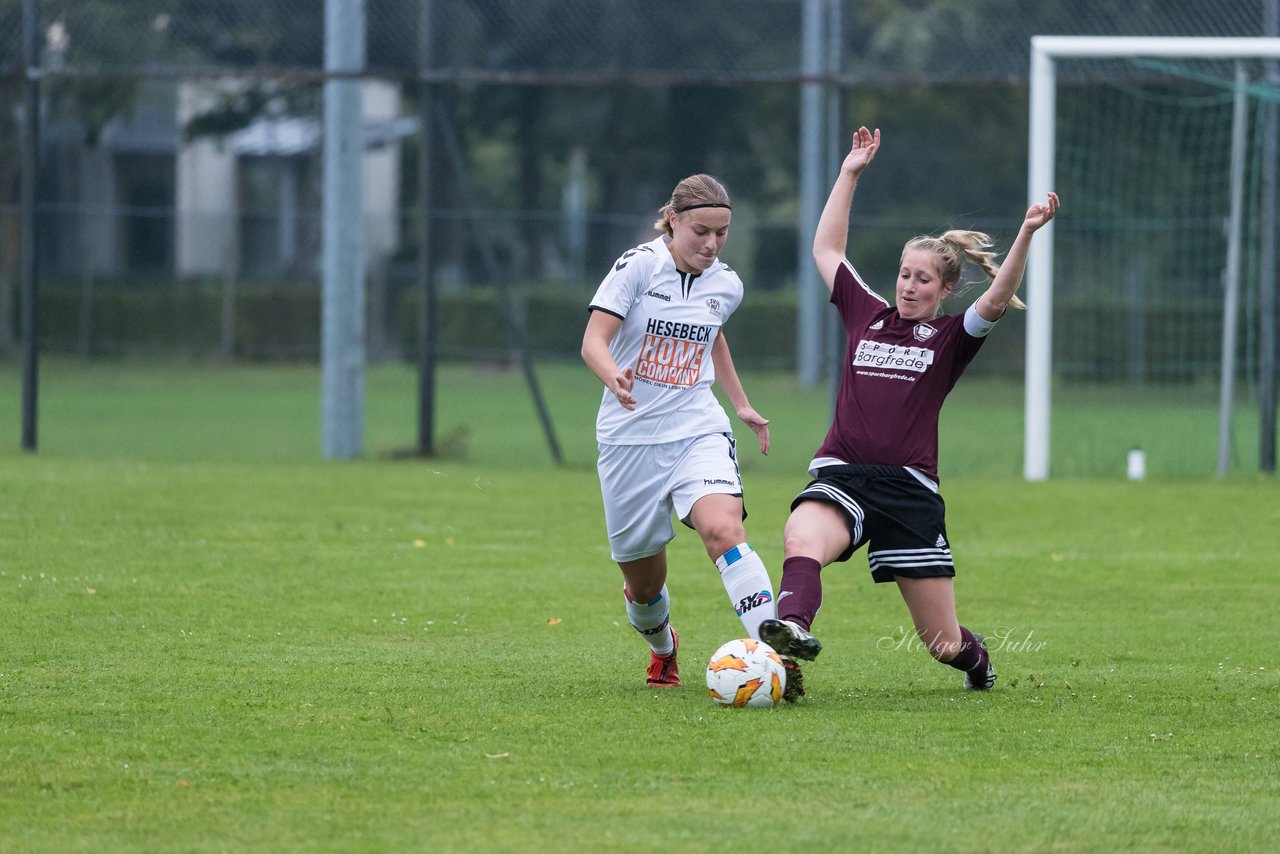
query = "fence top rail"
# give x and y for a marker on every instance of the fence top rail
(1098, 47)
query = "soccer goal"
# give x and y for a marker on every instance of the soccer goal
(1157, 281)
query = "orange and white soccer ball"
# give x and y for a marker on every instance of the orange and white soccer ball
(746, 672)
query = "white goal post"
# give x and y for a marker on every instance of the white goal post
(1045, 52)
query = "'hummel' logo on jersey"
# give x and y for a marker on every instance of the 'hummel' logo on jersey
(656, 295)
(879, 324)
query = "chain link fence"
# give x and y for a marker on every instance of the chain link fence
(178, 190)
(504, 40)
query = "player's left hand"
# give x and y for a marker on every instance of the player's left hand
(1038, 215)
(758, 424)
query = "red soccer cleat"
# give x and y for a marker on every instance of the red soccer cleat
(663, 672)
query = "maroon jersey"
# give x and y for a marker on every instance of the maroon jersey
(896, 375)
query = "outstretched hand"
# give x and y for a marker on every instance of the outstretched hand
(865, 145)
(758, 424)
(621, 388)
(1038, 215)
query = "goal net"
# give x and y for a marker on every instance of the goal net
(1149, 296)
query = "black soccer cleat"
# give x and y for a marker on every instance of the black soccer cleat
(795, 680)
(788, 639)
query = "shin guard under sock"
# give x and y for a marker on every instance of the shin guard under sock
(800, 592)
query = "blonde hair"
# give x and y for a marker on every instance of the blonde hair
(952, 249)
(695, 191)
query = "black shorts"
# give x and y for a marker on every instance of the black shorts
(902, 519)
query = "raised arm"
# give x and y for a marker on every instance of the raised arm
(727, 379)
(832, 236)
(995, 299)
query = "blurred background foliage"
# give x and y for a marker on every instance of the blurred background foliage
(558, 128)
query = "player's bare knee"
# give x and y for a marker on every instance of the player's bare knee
(800, 545)
(720, 535)
(643, 589)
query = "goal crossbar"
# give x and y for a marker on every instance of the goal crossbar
(1045, 52)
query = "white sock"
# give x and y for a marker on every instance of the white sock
(652, 620)
(747, 583)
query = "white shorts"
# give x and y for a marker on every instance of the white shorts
(643, 485)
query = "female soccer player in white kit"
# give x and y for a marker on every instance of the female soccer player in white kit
(654, 340)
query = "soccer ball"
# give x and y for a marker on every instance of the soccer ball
(746, 672)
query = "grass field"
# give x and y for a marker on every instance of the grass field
(216, 641)
(162, 411)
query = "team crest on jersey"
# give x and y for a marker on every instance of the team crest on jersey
(923, 332)
(879, 324)
(714, 305)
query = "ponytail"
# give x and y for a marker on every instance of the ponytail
(953, 248)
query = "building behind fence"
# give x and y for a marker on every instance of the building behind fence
(179, 183)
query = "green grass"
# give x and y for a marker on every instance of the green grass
(216, 641)
(164, 411)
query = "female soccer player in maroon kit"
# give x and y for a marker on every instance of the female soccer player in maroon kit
(875, 477)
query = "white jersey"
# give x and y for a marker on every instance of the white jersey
(670, 320)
